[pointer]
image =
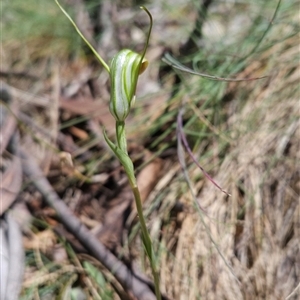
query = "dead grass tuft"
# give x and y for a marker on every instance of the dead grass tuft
(257, 229)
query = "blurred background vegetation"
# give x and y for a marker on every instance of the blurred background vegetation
(245, 134)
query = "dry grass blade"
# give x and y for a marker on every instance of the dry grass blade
(178, 66)
(197, 205)
(181, 136)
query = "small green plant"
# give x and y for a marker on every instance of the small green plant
(125, 68)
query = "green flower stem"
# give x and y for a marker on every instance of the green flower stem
(146, 238)
(126, 162)
(121, 136)
(125, 68)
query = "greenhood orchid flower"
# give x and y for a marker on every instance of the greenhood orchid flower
(125, 68)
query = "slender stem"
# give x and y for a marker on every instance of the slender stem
(121, 136)
(120, 151)
(145, 234)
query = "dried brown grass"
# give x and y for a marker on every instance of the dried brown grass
(258, 228)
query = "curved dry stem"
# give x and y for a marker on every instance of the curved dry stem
(170, 60)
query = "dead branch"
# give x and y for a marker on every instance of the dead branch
(135, 287)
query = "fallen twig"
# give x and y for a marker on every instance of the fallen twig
(16, 258)
(8, 122)
(135, 287)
